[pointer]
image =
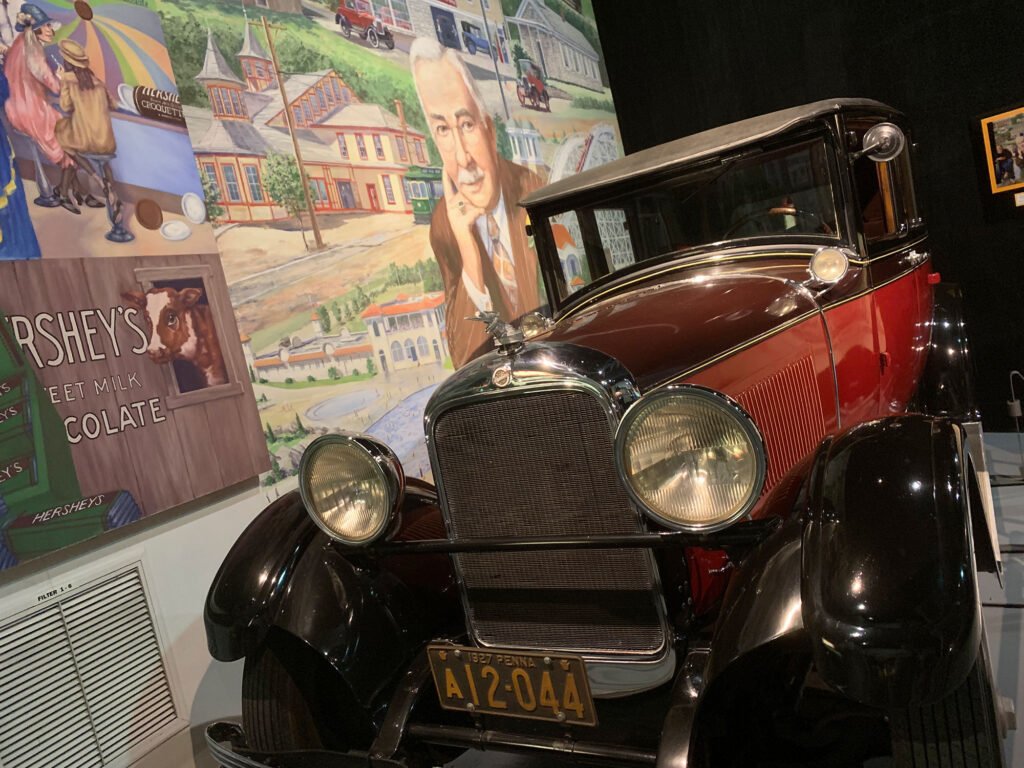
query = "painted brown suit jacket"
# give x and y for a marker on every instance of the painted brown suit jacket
(466, 338)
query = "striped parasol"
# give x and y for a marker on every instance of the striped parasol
(124, 41)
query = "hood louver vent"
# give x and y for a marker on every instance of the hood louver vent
(82, 679)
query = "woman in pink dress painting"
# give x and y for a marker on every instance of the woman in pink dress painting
(28, 109)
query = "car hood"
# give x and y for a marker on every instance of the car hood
(665, 327)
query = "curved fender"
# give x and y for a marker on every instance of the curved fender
(762, 601)
(254, 574)
(365, 616)
(358, 615)
(945, 388)
(889, 587)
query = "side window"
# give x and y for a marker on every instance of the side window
(885, 194)
(611, 226)
(875, 198)
(568, 237)
(905, 185)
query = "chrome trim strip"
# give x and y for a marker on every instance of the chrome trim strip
(828, 341)
(823, 308)
(729, 256)
(726, 257)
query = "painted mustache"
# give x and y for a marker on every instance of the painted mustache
(469, 176)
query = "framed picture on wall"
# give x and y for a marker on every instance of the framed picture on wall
(999, 152)
(1003, 138)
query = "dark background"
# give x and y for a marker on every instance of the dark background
(677, 68)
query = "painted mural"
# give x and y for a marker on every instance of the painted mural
(123, 390)
(361, 163)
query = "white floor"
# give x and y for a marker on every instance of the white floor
(1006, 625)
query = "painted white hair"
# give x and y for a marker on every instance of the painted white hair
(430, 51)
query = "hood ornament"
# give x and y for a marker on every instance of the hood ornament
(507, 338)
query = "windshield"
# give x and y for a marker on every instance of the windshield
(778, 194)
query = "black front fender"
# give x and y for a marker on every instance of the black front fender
(365, 616)
(889, 590)
(254, 575)
(873, 566)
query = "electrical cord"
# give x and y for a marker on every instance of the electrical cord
(1013, 408)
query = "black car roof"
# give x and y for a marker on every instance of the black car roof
(699, 145)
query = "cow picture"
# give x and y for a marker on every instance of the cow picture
(180, 328)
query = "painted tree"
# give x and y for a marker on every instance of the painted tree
(299, 427)
(502, 138)
(325, 318)
(283, 183)
(431, 273)
(211, 194)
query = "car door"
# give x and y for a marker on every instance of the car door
(899, 270)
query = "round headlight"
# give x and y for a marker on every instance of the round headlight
(829, 264)
(691, 457)
(352, 486)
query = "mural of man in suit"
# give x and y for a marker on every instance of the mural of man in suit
(478, 233)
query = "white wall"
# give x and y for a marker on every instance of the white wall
(180, 558)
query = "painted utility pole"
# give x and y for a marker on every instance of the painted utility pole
(289, 121)
(405, 131)
(494, 58)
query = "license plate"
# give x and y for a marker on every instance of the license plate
(539, 686)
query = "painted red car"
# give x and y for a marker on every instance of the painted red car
(724, 507)
(359, 16)
(530, 87)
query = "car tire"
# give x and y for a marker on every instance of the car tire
(960, 730)
(389, 41)
(291, 699)
(372, 37)
(547, 102)
(522, 96)
(346, 27)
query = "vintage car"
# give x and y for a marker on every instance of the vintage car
(358, 15)
(474, 39)
(725, 506)
(530, 88)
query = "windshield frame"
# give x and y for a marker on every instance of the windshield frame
(554, 278)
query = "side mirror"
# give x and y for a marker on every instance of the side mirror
(882, 143)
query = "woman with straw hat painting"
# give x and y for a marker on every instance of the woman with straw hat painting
(87, 128)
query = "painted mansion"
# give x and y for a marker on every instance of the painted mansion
(355, 155)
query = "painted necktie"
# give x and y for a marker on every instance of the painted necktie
(502, 260)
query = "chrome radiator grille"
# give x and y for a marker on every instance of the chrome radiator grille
(539, 464)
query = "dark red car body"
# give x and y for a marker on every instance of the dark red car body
(846, 590)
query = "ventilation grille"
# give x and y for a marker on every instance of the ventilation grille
(787, 409)
(82, 681)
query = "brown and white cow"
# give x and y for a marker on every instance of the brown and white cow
(181, 329)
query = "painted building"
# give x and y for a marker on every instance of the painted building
(408, 331)
(526, 145)
(465, 25)
(561, 50)
(344, 352)
(355, 155)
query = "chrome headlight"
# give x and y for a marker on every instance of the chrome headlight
(691, 457)
(352, 486)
